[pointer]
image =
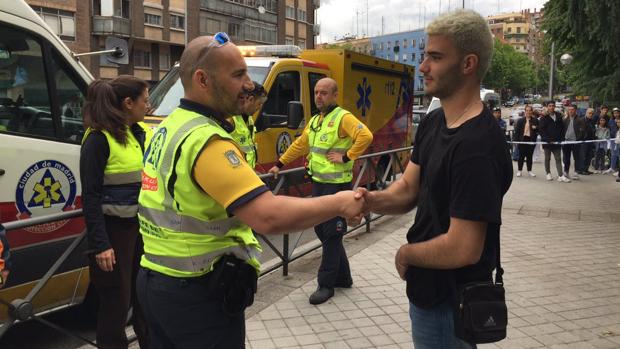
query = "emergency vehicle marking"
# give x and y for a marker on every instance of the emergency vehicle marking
(284, 141)
(364, 90)
(153, 152)
(46, 187)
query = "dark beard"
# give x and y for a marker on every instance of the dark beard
(450, 82)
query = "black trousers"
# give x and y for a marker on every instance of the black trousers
(183, 313)
(567, 149)
(586, 155)
(116, 289)
(525, 153)
(334, 268)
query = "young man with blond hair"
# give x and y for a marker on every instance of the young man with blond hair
(459, 172)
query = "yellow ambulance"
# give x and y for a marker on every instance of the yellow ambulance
(377, 91)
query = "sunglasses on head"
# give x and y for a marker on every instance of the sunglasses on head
(219, 39)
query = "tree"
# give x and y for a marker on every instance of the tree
(510, 70)
(589, 31)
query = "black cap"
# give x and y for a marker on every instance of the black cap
(549, 102)
(497, 109)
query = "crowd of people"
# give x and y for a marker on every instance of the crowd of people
(592, 141)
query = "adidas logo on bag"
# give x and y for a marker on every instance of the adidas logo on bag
(490, 322)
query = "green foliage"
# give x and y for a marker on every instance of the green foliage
(590, 31)
(510, 70)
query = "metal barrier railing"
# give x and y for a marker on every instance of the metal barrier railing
(22, 309)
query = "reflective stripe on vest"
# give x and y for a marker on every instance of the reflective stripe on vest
(183, 228)
(123, 211)
(174, 221)
(323, 151)
(324, 138)
(122, 178)
(201, 263)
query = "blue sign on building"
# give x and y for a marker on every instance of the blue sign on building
(404, 47)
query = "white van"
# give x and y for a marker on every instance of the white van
(42, 88)
(488, 97)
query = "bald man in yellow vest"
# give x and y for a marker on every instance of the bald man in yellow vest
(333, 139)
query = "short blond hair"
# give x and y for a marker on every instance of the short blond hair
(470, 33)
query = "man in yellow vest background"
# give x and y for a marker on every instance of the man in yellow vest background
(244, 124)
(199, 203)
(333, 139)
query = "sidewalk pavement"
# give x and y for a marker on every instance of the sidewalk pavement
(560, 251)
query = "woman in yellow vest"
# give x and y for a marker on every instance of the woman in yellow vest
(110, 171)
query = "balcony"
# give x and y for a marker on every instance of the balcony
(316, 29)
(111, 25)
(239, 11)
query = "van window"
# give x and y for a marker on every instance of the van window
(24, 99)
(29, 74)
(285, 88)
(70, 99)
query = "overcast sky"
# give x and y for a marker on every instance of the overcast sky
(349, 17)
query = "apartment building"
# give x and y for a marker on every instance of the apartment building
(157, 30)
(404, 47)
(521, 30)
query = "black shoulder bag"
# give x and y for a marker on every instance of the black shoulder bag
(481, 315)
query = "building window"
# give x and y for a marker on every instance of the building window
(301, 15)
(61, 22)
(234, 30)
(518, 30)
(260, 31)
(290, 12)
(141, 59)
(509, 30)
(404, 57)
(389, 46)
(301, 43)
(177, 22)
(164, 61)
(152, 19)
(208, 25)
(412, 42)
(413, 56)
(405, 43)
(289, 40)
(396, 57)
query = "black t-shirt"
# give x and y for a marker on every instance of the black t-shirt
(465, 172)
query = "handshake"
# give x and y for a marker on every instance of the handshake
(355, 205)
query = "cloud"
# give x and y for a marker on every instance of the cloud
(373, 17)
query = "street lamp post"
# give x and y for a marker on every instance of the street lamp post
(551, 70)
(564, 59)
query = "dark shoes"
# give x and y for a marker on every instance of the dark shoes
(321, 295)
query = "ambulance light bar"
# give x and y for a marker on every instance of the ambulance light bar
(270, 51)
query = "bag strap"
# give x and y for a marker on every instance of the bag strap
(499, 272)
